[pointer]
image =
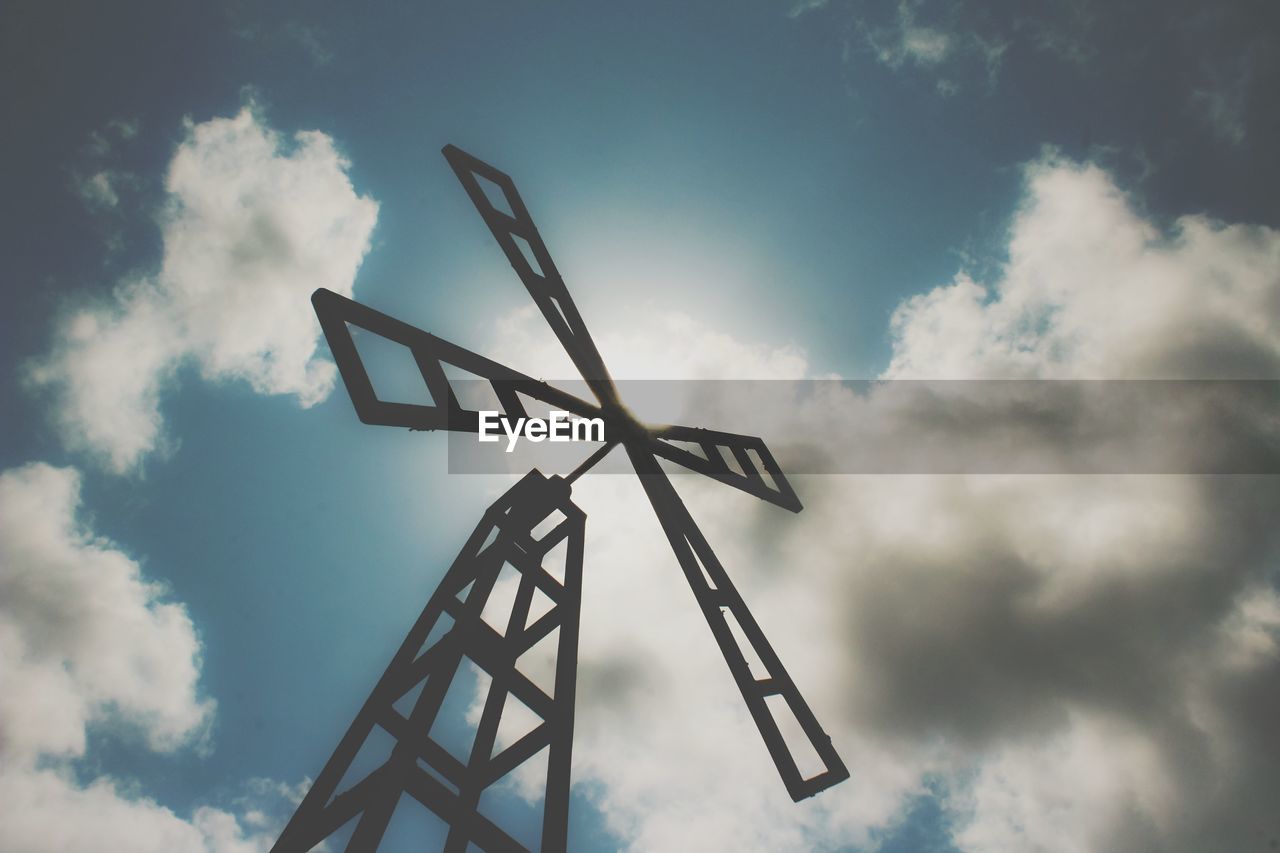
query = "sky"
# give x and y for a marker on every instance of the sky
(206, 560)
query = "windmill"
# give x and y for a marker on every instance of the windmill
(535, 532)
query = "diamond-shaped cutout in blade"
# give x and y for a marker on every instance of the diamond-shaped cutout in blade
(474, 393)
(691, 446)
(339, 315)
(803, 752)
(494, 194)
(393, 372)
(763, 471)
(731, 461)
(741, 461)
(530, 257)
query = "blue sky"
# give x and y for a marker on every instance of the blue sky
(832, 188)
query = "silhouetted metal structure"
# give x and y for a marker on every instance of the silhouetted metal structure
(451, 627)
(450, 630)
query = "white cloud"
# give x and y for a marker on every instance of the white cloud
(87, 642)
(47, 811)
(84, 635)
(1092, 290)
(1087, 663)
(252, 225)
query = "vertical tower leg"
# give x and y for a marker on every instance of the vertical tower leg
(523, 530)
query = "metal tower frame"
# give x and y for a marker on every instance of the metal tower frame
(450, 630)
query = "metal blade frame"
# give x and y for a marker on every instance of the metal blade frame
(544, 283)
(431, 353)
(715, 594)
(337, 314)
(714, 465)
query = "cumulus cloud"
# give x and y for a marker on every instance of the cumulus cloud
(252, 224)
(83, 632)
(1092, 290)
(88, 642)
(48, 810)
(1075, 663)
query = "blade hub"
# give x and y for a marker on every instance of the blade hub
(621, 425)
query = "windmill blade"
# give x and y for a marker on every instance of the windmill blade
(721, 604)
(515, 232)
(337, 314)
(741, 461)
